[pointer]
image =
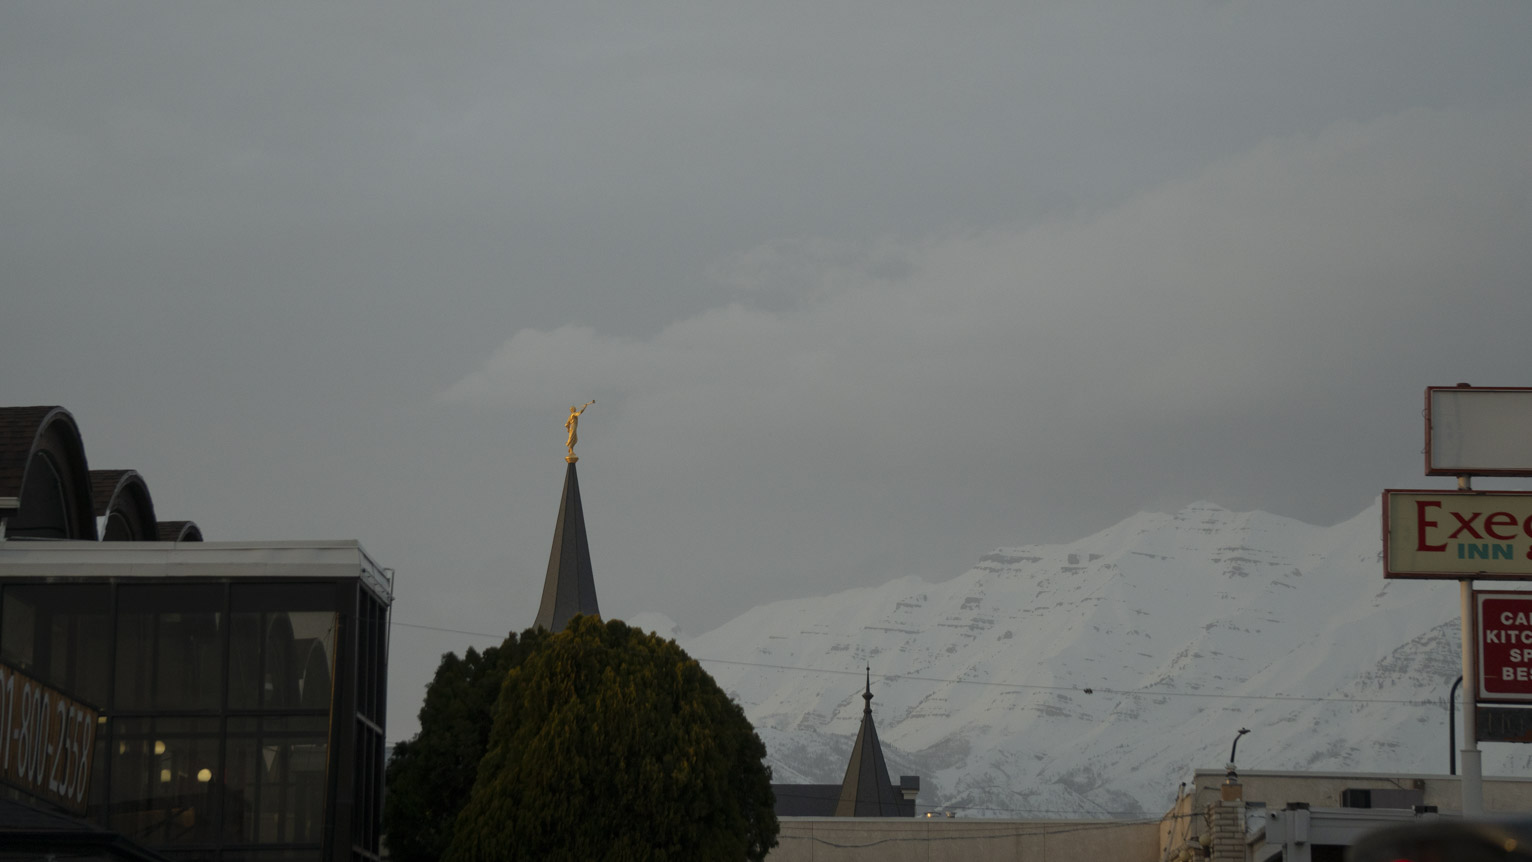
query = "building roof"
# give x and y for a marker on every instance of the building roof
(48, 491)
(805, 800)
(569, 588)
(866, 790)
(105, 485)
(342, 558)
(19, 428)
(123, 506)
(44, 487)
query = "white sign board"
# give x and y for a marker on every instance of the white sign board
(1475, 431)
(1457, 534)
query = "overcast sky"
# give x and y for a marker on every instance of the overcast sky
(862, 290)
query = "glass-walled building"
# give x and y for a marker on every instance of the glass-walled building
(240, 688)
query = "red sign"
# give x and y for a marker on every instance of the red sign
(1505, 646)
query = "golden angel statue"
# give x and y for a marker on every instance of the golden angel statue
(572, 425)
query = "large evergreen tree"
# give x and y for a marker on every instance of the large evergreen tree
(611, 743)
(430, 776)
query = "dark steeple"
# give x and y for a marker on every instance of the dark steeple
(569, 587)
(866, 790)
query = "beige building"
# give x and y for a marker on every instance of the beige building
(901, 839)
(1268, 816)
(1304, 816)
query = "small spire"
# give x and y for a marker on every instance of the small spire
(866, 790)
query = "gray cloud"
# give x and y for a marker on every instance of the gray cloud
(862, 290)
(1260, 331)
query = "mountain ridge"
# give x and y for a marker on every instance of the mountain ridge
(1088, 678)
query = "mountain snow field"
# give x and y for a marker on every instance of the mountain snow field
(1089, 679)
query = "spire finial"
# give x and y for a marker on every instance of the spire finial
(867, 695)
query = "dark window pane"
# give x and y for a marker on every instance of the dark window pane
(242, 779)
(57, 634)
(313, 657)
(169, 647)
(187, 667)
(292, 789)
(279, 678)
(276, 780)
(18, 630)
(281, 660)
(135, 657)
(166, 784)
(283, 597)
(296, 725)
(286, 797)
(244, 660)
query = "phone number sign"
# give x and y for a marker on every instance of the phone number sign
(47, 740)
(1505, 646)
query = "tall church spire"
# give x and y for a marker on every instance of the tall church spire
(866, 790)
(569, 587)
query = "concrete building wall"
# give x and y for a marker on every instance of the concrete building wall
(848, 839)
(1180, 829)
(1228, 824)
(1202, 823)
(1276, 789)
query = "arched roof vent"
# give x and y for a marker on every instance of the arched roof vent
(179, 531)
(124, 509)
(45, 490)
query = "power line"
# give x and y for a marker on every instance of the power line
(1120, 692)
(1142, 692)
(393, 622)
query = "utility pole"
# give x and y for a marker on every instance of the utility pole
(1473, 764)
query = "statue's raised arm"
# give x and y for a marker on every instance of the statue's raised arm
(572, 425)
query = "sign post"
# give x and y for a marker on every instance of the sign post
(1471, 757)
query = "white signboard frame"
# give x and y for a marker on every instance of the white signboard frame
(1478, 431)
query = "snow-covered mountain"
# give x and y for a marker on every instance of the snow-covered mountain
(1089, 679)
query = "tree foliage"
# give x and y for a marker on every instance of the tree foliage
(611, 743)
(430, 776)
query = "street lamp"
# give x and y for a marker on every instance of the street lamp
(1452, 728)
(1235, 747)
(1231, 790)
